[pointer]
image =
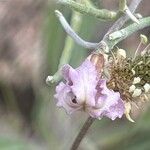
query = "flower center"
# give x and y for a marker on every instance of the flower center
(74, 100)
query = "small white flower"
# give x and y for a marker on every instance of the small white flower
(146, 87)
(137, 92)
(121, 52)
(132, 88)
(136, 80)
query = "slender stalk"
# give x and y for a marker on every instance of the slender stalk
(84, 9)
(122, 5)
(72, 33)
(130, 15)
(145, 49)
(120, 35)
(122, 20)
(137, 50)
(82, 133)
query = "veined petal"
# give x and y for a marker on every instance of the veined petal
(109, 102)
(84, 90)
(65, 98)
(83, 82)
(88, 78)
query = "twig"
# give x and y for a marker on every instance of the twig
(124, 8)
(82, 133)
(72, 33)
(118, 36)
(122, 20)
(116, 26)
(98, 13)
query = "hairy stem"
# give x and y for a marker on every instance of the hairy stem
(72, 33)
(84, 9)
(120, 35)
(122, 20)
(82, 133)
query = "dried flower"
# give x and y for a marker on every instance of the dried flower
(84, 90)
(131, 78)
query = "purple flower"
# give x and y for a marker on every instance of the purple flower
(85, 91)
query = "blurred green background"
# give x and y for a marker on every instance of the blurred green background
(31, 44)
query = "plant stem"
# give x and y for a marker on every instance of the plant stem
(82, 133)
(84, 9)
(76, 21)
(120, 35)
(122, 20)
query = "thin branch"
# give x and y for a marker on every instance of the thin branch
(72, 33)
(122, 5)
(124, 8)
(131, 15)
(122, 20)
(84, 9)
(120, 35)
(101, 45)
(108, 41)
(82, 133)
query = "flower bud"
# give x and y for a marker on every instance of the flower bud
(146, 87)
(136, 80)
(132, 88)
(137, 92)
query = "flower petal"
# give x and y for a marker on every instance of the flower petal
(64, 98)
(109, 102)
(82, 81)
(65, 73)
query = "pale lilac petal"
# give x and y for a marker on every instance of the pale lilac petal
(109, 103)
(83, 82)
(64, 98)
(66, 73)
(84, 91)
(72, 77)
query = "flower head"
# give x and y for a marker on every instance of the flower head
(131, 78)
(84, 90)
